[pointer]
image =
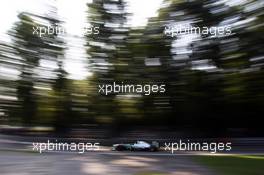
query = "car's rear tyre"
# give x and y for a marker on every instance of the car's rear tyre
(153, 149)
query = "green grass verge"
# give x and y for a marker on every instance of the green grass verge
(234, 165)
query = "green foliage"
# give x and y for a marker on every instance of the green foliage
(211, 81)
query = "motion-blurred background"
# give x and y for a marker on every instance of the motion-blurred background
(214, 84)
(49, 85)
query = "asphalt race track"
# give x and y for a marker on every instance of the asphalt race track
(25, 163)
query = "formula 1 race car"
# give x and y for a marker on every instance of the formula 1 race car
(138, 146)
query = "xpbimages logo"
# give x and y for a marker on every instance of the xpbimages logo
(184, 29)
(63, 146)
(146, 89)
(59, 30)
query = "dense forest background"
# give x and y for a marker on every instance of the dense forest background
(212, 83)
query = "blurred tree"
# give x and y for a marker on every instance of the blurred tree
(63, 101)
(28, 46)
(9, 64)
(108, 55)
(59, 100)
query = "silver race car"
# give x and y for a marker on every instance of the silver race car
(138, 146)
